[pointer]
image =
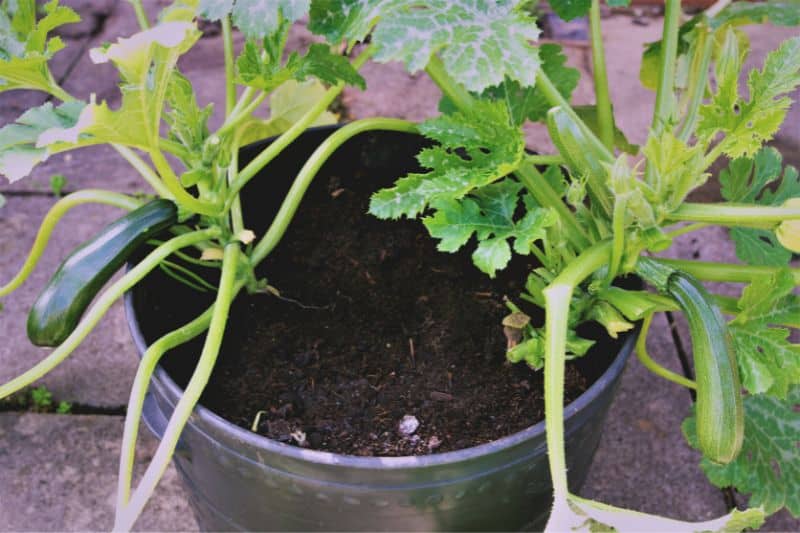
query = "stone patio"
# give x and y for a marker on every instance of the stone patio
(59, 471)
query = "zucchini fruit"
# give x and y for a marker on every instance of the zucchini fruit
(719, 409)
(62, 302)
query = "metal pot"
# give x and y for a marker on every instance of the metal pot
(238, 480)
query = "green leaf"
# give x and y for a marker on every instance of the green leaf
(769, 363)
(747, 124)
(480, 42)
(528, 102)
(269, 71)
(759, 180)
(19, 152)
(146, 63)
(476, 148)
(778, 12)
(489, 215)
(618, 3)
(677, 169)
(255, 18)
(651, 58)
(188, 122)
(24, 47)
(570, 9)
(588, 113)
(768, 467)
(287, 104)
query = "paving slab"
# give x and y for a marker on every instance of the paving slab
(60, 474)
(100, 372)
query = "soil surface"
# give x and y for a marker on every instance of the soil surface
(377, 344)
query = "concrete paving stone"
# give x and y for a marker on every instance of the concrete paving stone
(100, 372)
(60, 474)
(643, 461)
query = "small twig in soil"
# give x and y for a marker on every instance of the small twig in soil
(412, 353)
(274, 292)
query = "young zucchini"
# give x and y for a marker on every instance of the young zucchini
(720, 414)
(59, 307)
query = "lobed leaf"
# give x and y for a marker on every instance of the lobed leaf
(759, 180)
(255, 18)
(571, 9)
(19, 152)
(480, 42)
(768, 468)
(476, 147)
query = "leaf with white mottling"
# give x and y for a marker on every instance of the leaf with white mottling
(255, 18)
(480, 42)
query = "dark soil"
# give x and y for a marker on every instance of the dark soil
(372, 324)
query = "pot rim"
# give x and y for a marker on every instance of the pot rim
(206, 416)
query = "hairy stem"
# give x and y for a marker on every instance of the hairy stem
(751, 216)
(650, 364)
(310, 169)
(724, 272)
(59, 209)
(109, 296)
(146, 367)
(605, 115)
(227, 47)
(127, 515)
(141, 166)
(558, 296)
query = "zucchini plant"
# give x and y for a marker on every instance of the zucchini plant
(596, 209)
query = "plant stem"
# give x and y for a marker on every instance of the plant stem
(141, 16)
(174, 148)
(59, 209)
(127, 516)
(605, 116)
(133, 415)
(144, 170)
(237, 219)
(287, 137)
(544, 159)
(178, 192)
(686, 229)
(57, 91)
(102, 305)
(544, 194)
(241, 113)
(697, 82)
(618, 236)
(652, 365)
(752, 216)
(558, 297)
(310, 169)
(227, 46)
(243, 100)
(666, 79)
(451, 88)
(724, 272)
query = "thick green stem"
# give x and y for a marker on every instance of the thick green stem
(724, 272)
(141, 166)
(451, 88)
(650, 364)
(141, 16)
(59, 209)
(310, 169)
(698, 79)
(689, 228)
(241, 113)
(287, 137)
(178, 192)
(227, 47)
(558, 297)
(102, 305)
(133, 415)
(237, 218)
(544, 159)
(544, 194)
(751, 216)
(174, 148)
(618, 237)
(127, 515)
(666, 79)
(605, 116)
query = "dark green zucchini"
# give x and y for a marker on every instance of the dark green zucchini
(720, 413)
(61, 304)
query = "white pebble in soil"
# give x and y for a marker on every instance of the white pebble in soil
(408, 425)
